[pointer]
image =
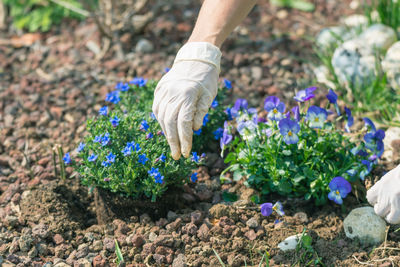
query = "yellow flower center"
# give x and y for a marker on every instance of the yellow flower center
(275, 110)
(290, 133)
(337, 192)
(316, 119)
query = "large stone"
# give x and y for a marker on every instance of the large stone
(144, 46)
(379, 36)
(354, 63)
(391, 134)
(391, 65)
(356, 20)
(332, 36)
(289, 243)
(366, 225)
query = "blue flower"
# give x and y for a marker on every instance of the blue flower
(227, 84)
(153, 116)
(161, 158)
(316, 116)
(206, 119)
(240, 104)
(138, 148)
(156, 174)
(114, 121)
(351, 172)
(340, 188)
(103, 111)
(305, 95)
(67, 158)
(143, 159)
(365, 171)
(139, 81)
(153, 171)
(218, 133)
(92, 157)
(332, 97)
(149, 135)
(369, 124)
(80, 147)
(214, 104)
(111, 157)
(198, 132)
(144, 126)
(275, 108)
(105, 139)
(105, 163)
(296, 113)
(193, 177)
(228, 112)
(113, 97)
(289, 130)
(127, 151)
(166, 70)
(266, 209)
(226, 137)
(97, 139)
(195, 157)
(278, 208)
(350, 119)
(247, 129)
(122, 86)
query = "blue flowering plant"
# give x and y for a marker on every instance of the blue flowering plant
(306, 151)
(126, 152)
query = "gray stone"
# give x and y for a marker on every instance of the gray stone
(354, 62)
(252, 223)
(289, 243)
(40, 231)
(25, 242)
(379, 36)
(332, 36)
(144, 46)
(356, 20)
(364, 224)
(152, 236)
(97, 245)
(179, 261)
(391, 65)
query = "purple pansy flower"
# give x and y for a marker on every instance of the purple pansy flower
(266, 209)
(316, 116)
(296, 113)
(365, 171)
(340, 188)
(278, 208)
(226, 137)
(289, 129)
(305, 95)
(332, 97)
(350, 119)
(275, 108)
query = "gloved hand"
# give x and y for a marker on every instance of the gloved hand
(184, 95)
(385, 196)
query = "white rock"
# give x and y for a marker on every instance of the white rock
(144, 46)
(379, 36)
(391, 65)
(331, 36)
(355, 20)
(289, 243)
(391, 134)
(366, 225)
(354, 62)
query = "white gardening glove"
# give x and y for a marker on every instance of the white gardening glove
(184, 95)
(385, 196)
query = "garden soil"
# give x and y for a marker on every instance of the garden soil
(50, 83)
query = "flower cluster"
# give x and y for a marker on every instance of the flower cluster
(299, 151)
(125, 150)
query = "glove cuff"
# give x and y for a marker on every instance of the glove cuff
(200, 51)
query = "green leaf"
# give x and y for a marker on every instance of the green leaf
(118, 252)
(229, 197)
(237, 175)
(306, 241)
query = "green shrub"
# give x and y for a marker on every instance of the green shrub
(37, 15)
(388, 12)
(299, 156)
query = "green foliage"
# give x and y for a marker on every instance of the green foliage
(303, 169)
(296, 4)
(388, 12)
(120, 257)
(305, 253)
(40, 15)
(126, 174)
(368, 98)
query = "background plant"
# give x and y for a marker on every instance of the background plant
(298, 154)
(388, 12)
(40, 15)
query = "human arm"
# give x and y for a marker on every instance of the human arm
(183, 95)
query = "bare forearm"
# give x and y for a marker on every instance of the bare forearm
(218, 18)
